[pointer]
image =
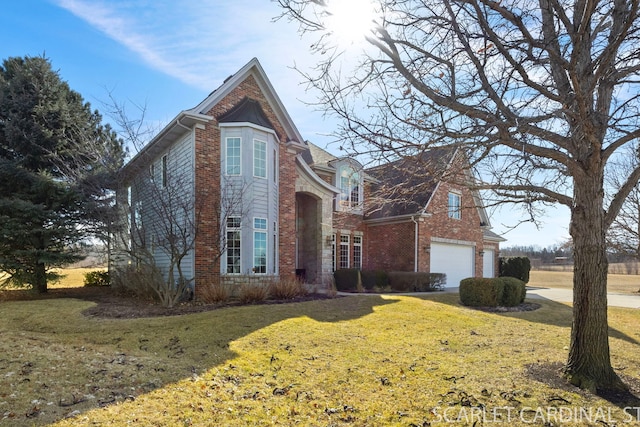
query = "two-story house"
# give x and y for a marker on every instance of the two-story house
(234, 175)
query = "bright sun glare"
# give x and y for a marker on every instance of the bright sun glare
(350, 20)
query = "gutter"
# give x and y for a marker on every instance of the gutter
(415, 245)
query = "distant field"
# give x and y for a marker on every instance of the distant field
(621, 283)
(73, 277)
(631, 267)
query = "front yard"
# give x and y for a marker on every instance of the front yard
(353, 361)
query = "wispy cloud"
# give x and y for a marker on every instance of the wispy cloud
(198, 43)
(201, 43)
(147, 31)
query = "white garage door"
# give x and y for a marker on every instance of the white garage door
(456, 261)
(488, 263)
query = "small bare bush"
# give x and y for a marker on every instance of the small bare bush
(213, 293)
(253, 292)
(140, 281)
(289, 288)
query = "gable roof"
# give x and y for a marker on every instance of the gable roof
(315, 156)
(253, 68)
(406, 186)
(322, 161)
(187, 119)
(179, 126)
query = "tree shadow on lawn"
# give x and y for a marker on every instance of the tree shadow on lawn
(558, 314)
(114, 360)
(550, 313)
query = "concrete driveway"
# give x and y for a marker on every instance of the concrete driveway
(566, 295)
(553, 294)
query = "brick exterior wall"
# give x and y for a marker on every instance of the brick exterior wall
(466, 229)
(392, 246)
(207, 187)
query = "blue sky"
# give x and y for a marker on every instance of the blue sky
(169, 55)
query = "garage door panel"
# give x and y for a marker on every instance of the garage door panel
(456, 261)
(488, 260)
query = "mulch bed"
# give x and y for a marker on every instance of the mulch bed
(112, 305)
(525, 306)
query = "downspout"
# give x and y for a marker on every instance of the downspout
(193, 289)
(181, 125)
(415, 245)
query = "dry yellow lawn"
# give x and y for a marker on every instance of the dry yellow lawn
(619, 283)
(353, 361)
(72, 277)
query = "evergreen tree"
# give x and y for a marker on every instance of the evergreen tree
(58, 165)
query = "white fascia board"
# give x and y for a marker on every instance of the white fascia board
(184, 122)
(397, 219)
(314, 177)
(248, 125)
(254, 68)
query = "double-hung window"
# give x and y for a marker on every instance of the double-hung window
(357, 252)
(344, 251)
(259, 158)
(232, 156)
(454, 206)
(233, 244)
(260, 246)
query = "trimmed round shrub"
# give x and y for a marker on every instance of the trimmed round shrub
(514, 292)
(492, 292)
(481, 291)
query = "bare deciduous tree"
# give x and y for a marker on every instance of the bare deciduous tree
(161, 219)
(623, 237)
(541, 97)
(165, 222)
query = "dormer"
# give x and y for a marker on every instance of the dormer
(349, 178)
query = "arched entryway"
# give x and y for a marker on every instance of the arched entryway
(308, 237)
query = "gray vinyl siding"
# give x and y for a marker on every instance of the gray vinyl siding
(151, 197)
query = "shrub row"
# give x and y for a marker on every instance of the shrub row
(253, 291)
(492, 292)
(351, 279)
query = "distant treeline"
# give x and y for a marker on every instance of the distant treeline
(549, 255)
(555, 254)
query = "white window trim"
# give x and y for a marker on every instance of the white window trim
(261, 231)
(226, 156)
(227, 230)
(344, 200)
(357, 244)
(457, 213)
(266, 168)
(346, 243)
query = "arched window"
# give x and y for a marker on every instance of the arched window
(349, 181)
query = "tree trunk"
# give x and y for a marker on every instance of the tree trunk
(40, 278)
(589, 364)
